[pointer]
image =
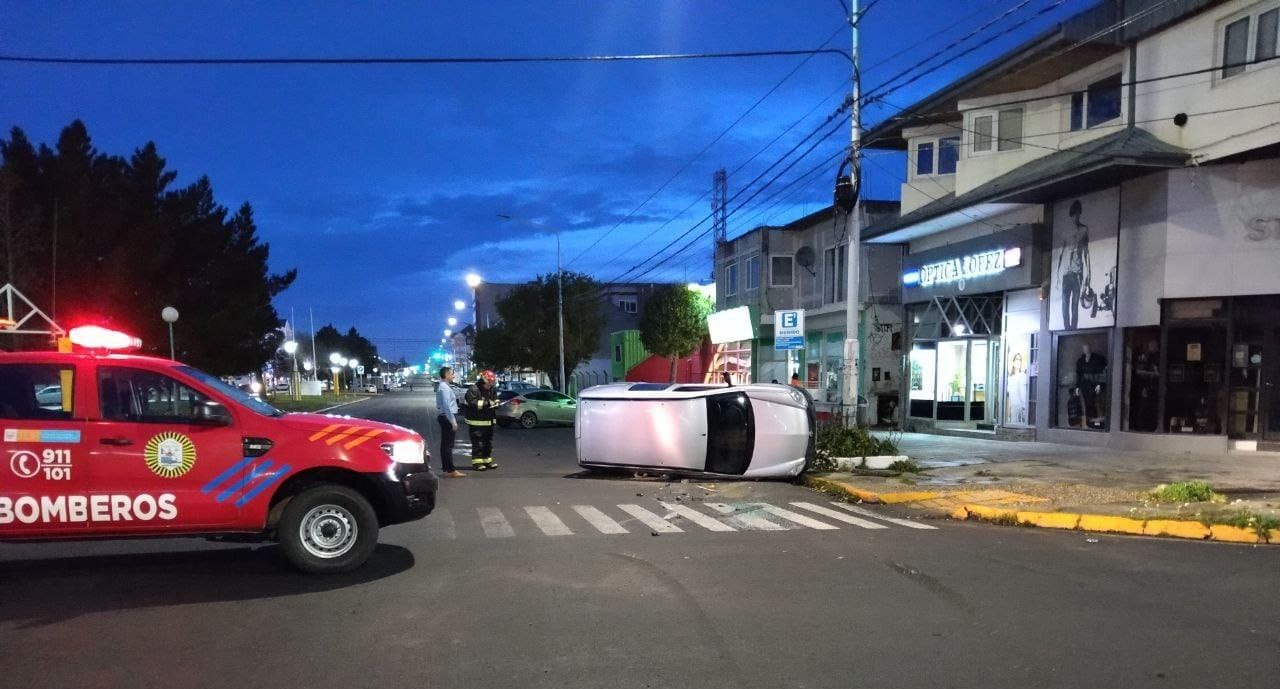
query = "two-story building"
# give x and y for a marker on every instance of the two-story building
(803, 265)
(1091, 226)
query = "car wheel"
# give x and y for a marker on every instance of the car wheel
(528, 420)
(328, 529)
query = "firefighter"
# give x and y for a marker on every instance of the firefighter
(481, 414)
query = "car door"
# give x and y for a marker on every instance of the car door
(563, 407)
(44, 488)
(158, 439)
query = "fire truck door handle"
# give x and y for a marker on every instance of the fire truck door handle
(116, 441)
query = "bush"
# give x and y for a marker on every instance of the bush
(834, 440)
(1184, 491)
(905, 466)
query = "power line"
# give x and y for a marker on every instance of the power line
(363, 61)
(706, 148)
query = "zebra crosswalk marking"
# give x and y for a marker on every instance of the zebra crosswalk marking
(547, 520)
(868, 513)
(796, 517)
(745, 520)
(493, 522)
(441, 525)
(650, 519)
(708, 523)
(601, 521)
(839, 516)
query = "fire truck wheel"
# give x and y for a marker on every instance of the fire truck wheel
(328, 528)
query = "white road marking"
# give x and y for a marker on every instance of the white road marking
(839, 516)
(868, 513)
(753, 522)
(495, 525)
(547, 520)
(440, 525)
(706, 522)
(650, 519)
(603, 522)
(796, 517)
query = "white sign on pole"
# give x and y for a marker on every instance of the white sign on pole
(360, 370)
(788, 329)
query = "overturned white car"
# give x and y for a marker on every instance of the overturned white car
(721, 431)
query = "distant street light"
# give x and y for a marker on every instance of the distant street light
(291, 348)
(334, 358)
(452, 321)
(459, 305)
(473, 280)
(170, 316)
(447, 332)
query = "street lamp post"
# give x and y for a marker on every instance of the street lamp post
(291, 348)
(473, 281)
(337, 361)
(354, 364)
(170, 316)
(564, 387)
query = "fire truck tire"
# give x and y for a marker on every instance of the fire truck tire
(328, 529)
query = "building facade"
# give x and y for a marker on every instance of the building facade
(1091, 228)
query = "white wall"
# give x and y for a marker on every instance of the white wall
(1023, 215)
(1192, 45)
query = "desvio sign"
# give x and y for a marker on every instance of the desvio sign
(788, 329)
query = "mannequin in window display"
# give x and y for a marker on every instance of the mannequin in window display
(1091, 378)
(1016, 391)
(1146, 383)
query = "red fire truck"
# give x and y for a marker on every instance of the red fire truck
(99, 444)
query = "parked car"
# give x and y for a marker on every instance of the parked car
(282, 386)
(518, 386)
(370, 388)
(535, 407)
(741, 431)
(49, 397)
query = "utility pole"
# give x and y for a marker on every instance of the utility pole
(564, 385)
(853, 232)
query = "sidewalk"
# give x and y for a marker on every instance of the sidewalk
(1067, 486)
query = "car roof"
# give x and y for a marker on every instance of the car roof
(641, 391)
(50, 357)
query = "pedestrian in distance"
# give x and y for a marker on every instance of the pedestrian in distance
(795, 381)
(481, 414)
(447, 406)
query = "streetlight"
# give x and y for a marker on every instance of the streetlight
(559, 289)
(447, 332)
(336, 386)
(291, 348)
(473, 280)
(353, 364)
(337, 361)
(170, 316)
(452, 321)
(459, 305)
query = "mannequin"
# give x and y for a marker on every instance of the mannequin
(1091, 378)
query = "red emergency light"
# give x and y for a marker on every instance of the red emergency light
(97, 337)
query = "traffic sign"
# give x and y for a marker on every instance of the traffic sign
(788, 329)
(360, 370)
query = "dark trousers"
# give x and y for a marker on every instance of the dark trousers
(1071, 286)
(446, 444)
(481, 443)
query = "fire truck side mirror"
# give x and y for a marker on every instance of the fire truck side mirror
(211, 413)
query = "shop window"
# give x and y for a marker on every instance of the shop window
(1141, 379)
(921, 375)
(1017, 385)
(35, 392)
(1083, 376)
(1194, 381)
(1033, 372)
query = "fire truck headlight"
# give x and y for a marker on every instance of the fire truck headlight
(405, 451)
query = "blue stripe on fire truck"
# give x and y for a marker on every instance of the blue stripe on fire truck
(263, 473)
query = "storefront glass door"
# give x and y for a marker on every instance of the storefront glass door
(952, 386)
(1271, 387)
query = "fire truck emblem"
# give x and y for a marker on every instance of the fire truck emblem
(170, 455)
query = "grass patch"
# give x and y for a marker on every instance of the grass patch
(905, 466)
(310, 404)
(1184, 491)
(1244, 519)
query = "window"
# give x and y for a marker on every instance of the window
(982, 133)
(753, 272)
(127, 394)
(1235, 47)
(541, 396)
(1097, 104)
(628, 305)
(1083, 381)
(948, 155)
(1010, 130)
(36, 391)
(1141, 379)
(617, 353)
(731, 280)
(781, 271)
(834, 275)
(924, 158)
(1248, 39)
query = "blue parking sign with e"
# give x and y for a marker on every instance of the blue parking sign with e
(788, 329)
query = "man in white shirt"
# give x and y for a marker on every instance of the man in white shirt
(447, 405)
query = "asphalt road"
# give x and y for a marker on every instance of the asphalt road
(533, 577)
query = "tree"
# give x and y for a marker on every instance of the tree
(674, 322)
(103, 238)
(528, 336)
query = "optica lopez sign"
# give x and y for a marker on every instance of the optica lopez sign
(788, 329)
(964, 268)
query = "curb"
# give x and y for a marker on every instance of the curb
(1073, 521)
(344, 404)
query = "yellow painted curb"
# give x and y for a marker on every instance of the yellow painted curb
(1274, 536)
(1050, 520)
(841, 486)
(990, 513)
(959, 513)
(1175, 528)
(1233, 534)
(906, 497)
(1109, 524)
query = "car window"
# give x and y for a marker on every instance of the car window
(730, 433)
(507, 394)
(129, 394)
(253, 403)
(540, 396)
(560, 397)
(36, 391)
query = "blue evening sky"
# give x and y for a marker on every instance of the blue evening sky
(381, 185)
